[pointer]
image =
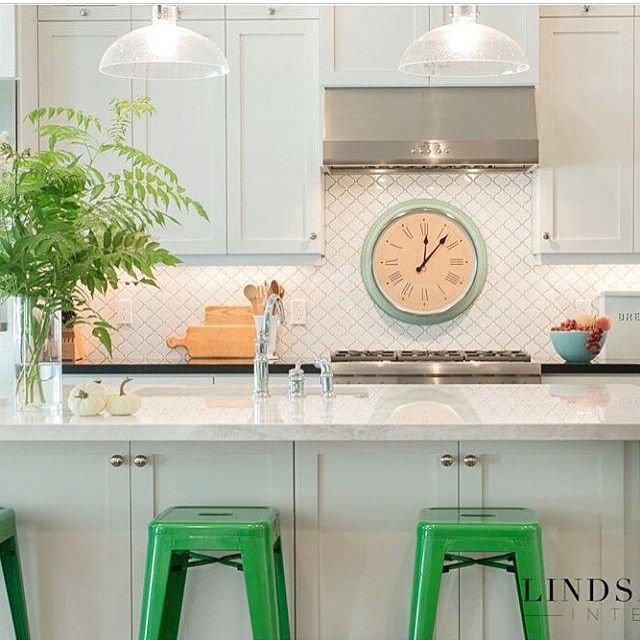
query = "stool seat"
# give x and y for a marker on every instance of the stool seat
(10, 561)
(187, 536)
(513, 534)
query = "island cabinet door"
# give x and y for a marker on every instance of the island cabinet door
(578, 492)
(356, 511)
(165, 475)
(187, 132)
(72, 508)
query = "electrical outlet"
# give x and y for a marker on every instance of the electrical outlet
(298, 311)
(123, 312)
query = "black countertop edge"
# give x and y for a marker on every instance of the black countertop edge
(281, 367)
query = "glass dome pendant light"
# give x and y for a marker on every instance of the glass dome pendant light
(163, 51)
(464, 48)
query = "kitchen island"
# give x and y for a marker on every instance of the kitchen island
(348, 476)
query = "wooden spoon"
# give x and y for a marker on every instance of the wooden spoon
(251, 294)
(274, 287)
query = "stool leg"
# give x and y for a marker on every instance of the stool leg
(174, 595)
(260, 583)
(281, 589)
(426, 586)
(156, 588)
(530, 567)
(10, 559)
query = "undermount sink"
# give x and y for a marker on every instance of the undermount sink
(238, 390)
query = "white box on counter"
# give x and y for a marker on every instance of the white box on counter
(623, 339)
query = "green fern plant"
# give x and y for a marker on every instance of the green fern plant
(69, 229)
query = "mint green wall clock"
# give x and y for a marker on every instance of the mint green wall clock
(424, 261)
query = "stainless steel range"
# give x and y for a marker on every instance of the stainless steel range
(435, 367)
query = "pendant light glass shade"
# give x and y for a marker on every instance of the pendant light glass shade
(164, 51)
(464, 48)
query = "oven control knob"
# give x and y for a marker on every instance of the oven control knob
(470, 460)
(447, 460)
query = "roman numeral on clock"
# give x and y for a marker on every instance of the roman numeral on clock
(424, 295)
(453, 244)
(424, 227)
(407, 290)
(453, 278)
(407, 232)
(395, 277)
(456, 262)
(392, 262)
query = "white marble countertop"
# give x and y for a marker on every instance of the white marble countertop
(227, 412)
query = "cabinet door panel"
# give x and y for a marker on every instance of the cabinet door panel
(585, 115)
(356, 514)
(362, 45)
(585, 10)
(273, 11)
(187, 132)
(519, 22)
(211, 474)
(68, 76)
(578, 492)
(72, 511)
(7, 41)
(273, 137)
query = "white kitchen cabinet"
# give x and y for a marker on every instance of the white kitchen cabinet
(186, 12)
(187, 132)
(271, 12)
(361, 45)
(273, 138)
(518, 21)
(578, 492)
(356, 511)
(7, 41)
(259, 473)
(73, 521)
(586, 126)
(600, 9)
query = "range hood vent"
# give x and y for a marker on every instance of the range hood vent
(466, 128)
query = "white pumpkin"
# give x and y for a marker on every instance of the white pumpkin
(123, 404)
(87, 398)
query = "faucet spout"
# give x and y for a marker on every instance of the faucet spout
(272, 306)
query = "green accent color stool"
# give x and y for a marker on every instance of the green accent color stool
(252, 533)
(513, 534)
(10, 561)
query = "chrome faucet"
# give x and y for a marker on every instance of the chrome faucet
(326, 376)
(263, 338)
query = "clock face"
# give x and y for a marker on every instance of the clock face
(424, 262)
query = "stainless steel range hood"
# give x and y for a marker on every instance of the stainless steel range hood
(430, 128)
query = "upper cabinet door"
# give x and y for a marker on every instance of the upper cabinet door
(585, 10)
(519, 22)
(7, 41)
(585, 113)
(273, 137)
(187, 132)
(271, 12)
(361, 46)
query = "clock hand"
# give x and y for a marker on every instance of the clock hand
(427, 258)
(426, 242)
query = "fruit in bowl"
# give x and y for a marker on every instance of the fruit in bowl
(580, 339)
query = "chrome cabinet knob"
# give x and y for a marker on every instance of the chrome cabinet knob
(586, 8)
(271, 11)
(84, 12)
(470, 460)
(140, 461)
(447, 460)
(116, 460)
(546, 236)
(313, 236)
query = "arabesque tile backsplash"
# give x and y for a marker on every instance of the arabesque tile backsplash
(519, 303)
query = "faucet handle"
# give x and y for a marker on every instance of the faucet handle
(326, 376)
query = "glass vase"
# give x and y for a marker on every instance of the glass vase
(38, 355)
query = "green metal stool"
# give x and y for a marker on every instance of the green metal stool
(12, 575)
(251, 533)
(513, 534)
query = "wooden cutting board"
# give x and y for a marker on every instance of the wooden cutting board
(216, 341)
(220, 315)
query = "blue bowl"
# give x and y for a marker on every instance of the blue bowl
(571, 346)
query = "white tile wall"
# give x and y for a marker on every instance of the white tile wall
(520, 301)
